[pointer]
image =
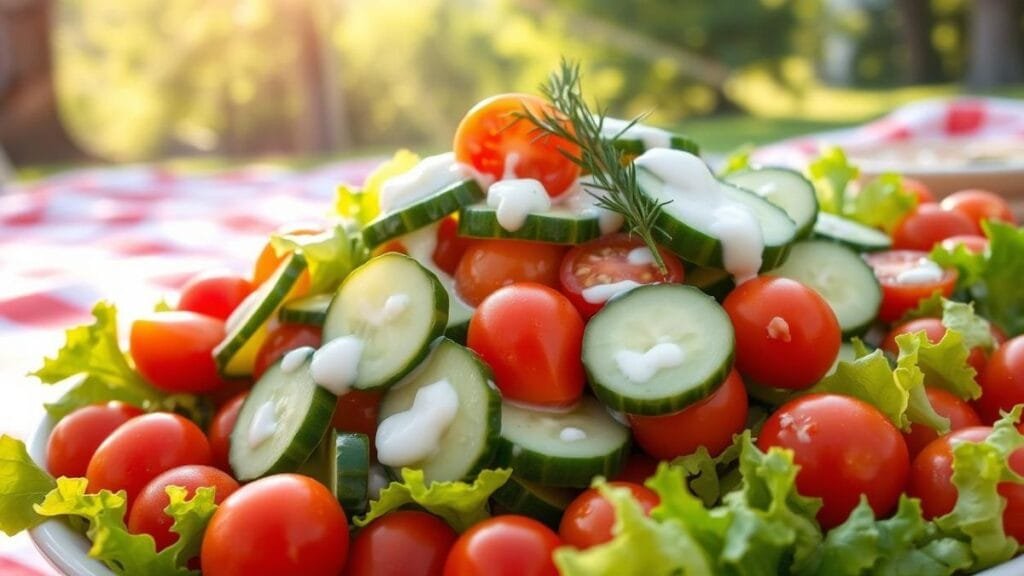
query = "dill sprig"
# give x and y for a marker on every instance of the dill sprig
(598, 156)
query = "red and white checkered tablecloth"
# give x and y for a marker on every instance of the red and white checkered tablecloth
(131, 235)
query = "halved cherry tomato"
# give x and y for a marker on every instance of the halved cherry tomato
(934, 331)
(979, 205)
(214, 293)
(898, 298)
(959, 412)
(611, 259)
(787, 336)
(147, 515)
(710, 423)
(588, 519)
(401, 543)
(77, 436)
(973, 243)
(495, 141)
(920, 189)
(1002, 381)
(219, 431)
(531, 336)
(174, 351)
(490, 264)
(281, 340)
(450, 246)
(504, 546)
(927, 225)
(844, 447)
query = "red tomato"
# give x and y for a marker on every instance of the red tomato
(77, 436)
(174, 351)
(710, 423)
(144, 447)
(959, 412)
(639, 467)
(934, 330)
(278, 525)
(898, 297)
(927, 225)
(931, 479)
(919, 189)
(147, 515)
(401, 543)
(493, 140)
(972, 242)
(282, 340)
(588, 519)
(1002, 381)
(214, 293)
(220, 429)
(606, 261)
(450, 246)
(979, 205)
(491, 264)
(504, 546)
(786, 334)
(845, 448)
(356, 411)
(531, 337)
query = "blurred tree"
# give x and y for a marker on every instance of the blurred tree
(995, 57)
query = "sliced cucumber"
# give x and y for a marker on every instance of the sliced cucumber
(545, 503)
(640, 138)
(628, 340)
(280, 424)
(420, 245)
(554, 226)
(468, 444)
(342, 462)
(562, 448)
(785, 188)
(853, 234)
(841, 277)
(311, 310)
(397, 308)
(237, 352)
(423, 213)
(712, 281)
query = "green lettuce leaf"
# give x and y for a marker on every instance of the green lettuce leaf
(831, 174)
(330, 256)
(22, 485)
(944, 364)
(881, 203)
(711, 477)
(960, 316)
(458, 503)
(363, 204)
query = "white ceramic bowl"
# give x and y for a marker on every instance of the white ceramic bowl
(68, 550)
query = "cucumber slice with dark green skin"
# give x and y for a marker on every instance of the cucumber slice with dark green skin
(712, 281)
(544, 503)
(342, 463)
(562, 448)
(469, 443)
(853, 234)
(785, 188)
(554, 227)
(695, 242)
(841, 277)
(253, 314)
(422, 213)
(641, 138)
(311, 310)
(292, 415)
(650, 316)
(392, 346)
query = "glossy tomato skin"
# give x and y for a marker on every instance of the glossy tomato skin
(401, 543)
(588, 519)
(844, 448)
(281, 340)
(920, 190)
(899, 298)
(504, 546)
(450, 246)
(219, 430)
(491, 135)
(959, 412)
(979, 205)
(531, 337)
(77, 436)
(786, 334)
(280, 525)
(927, 225)
(144, 447)
(606, 261)
(214, 293)
(147, 513)
(174, 351)
(710, 423)
(1002, 381)
(488, 265)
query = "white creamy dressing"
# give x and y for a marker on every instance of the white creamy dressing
(295, 359)
(393, 308)
(694, 196)
(640, 256)
(408, 437)
(601, 293)
(572, 434)
(651, 137)
(420, 245)
(511, 161)
(431, 175)
(241, 312)
(263, 424)
(336, 364)
(582, 199)
(376, 482)
(514, 200)
(640, 367)
(926, 272)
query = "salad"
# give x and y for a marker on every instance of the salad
(565, 347)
